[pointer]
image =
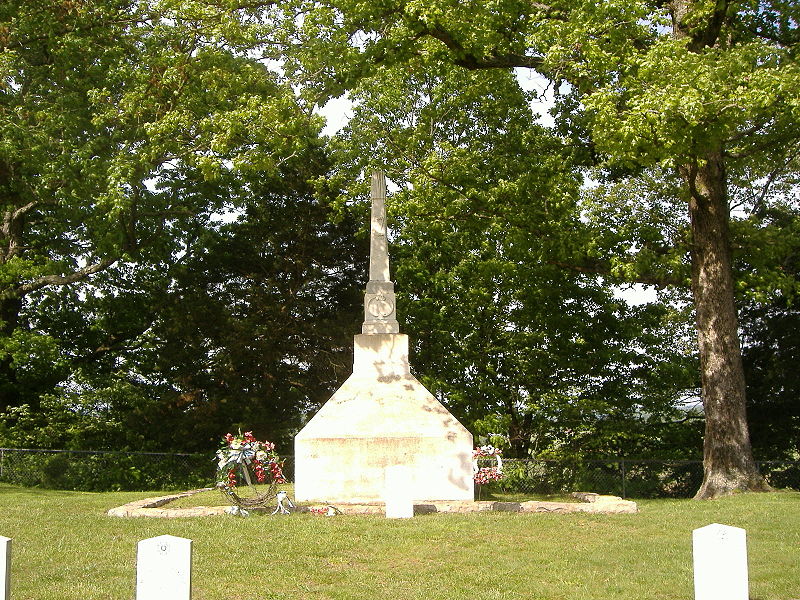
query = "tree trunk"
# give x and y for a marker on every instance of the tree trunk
(12, 229)
(519, 432)
(10, 308)
(728, 463)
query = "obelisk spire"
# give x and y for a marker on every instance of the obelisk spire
(378, 244)
(379, 301)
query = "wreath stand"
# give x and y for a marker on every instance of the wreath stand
(257, 499)
(483, 475)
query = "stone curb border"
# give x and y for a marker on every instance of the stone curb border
(150, 507)
(589, 503)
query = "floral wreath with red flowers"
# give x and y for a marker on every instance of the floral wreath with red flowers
(484, 475)
(241, 455)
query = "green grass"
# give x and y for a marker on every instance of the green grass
(66, 548)
(519, 497)
(216, 498)
(209, 498)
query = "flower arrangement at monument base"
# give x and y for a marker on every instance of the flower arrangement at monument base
(244, 460)
(486, 474)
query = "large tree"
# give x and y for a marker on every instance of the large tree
(707, 90)
(113, 116)
(257, 331)
(545, 358)
(251, 327)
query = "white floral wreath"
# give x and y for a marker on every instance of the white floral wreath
(483, 475)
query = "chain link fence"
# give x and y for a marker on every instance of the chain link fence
(134, 471)
(622, 477)
(105, 471)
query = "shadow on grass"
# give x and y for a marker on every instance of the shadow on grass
(520, 497)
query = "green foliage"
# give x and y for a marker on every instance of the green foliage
(250, 328)
(256, 330)
(626, 478)
(114, 116)
(82, 418)
(678, 105)
(99, 472)
(677, 101)
(138, 310)
(771, 348)
(583, 375)
(132, 316)
(515, 344)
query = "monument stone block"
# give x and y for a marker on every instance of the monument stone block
(382, 416)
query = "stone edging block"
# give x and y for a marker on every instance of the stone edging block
(150, 507)
(589, 503)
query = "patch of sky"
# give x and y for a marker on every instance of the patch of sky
(541, 94)
(636, 294)
(337, 113)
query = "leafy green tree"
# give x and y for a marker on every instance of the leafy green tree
(113, 116)
(707, 90)
(513, 343)
(250, 327)
(771, 337)
(546, 359)
(770, 353)
(258, 324)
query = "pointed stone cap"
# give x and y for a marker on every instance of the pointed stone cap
(380, 314)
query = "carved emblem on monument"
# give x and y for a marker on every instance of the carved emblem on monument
(380, 307)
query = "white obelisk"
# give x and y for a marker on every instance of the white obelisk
(382, 416)
(380, 314)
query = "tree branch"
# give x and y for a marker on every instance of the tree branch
(473, 62)
(80, 274)
(597, 267)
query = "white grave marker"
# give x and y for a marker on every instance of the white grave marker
(398, 493)
(720, 563)
(164, 569)
(5, 568)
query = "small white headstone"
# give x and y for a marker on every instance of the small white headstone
(5, 568)
(720, 563)
(164, 569)
(398, 493)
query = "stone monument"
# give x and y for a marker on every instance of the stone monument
(382, 416)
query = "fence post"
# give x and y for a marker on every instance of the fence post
(5, 568)
(622, 467)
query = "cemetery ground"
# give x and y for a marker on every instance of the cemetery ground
(65, 547)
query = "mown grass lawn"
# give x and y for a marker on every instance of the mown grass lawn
(65, 547)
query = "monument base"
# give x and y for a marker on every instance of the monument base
(382, 417)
